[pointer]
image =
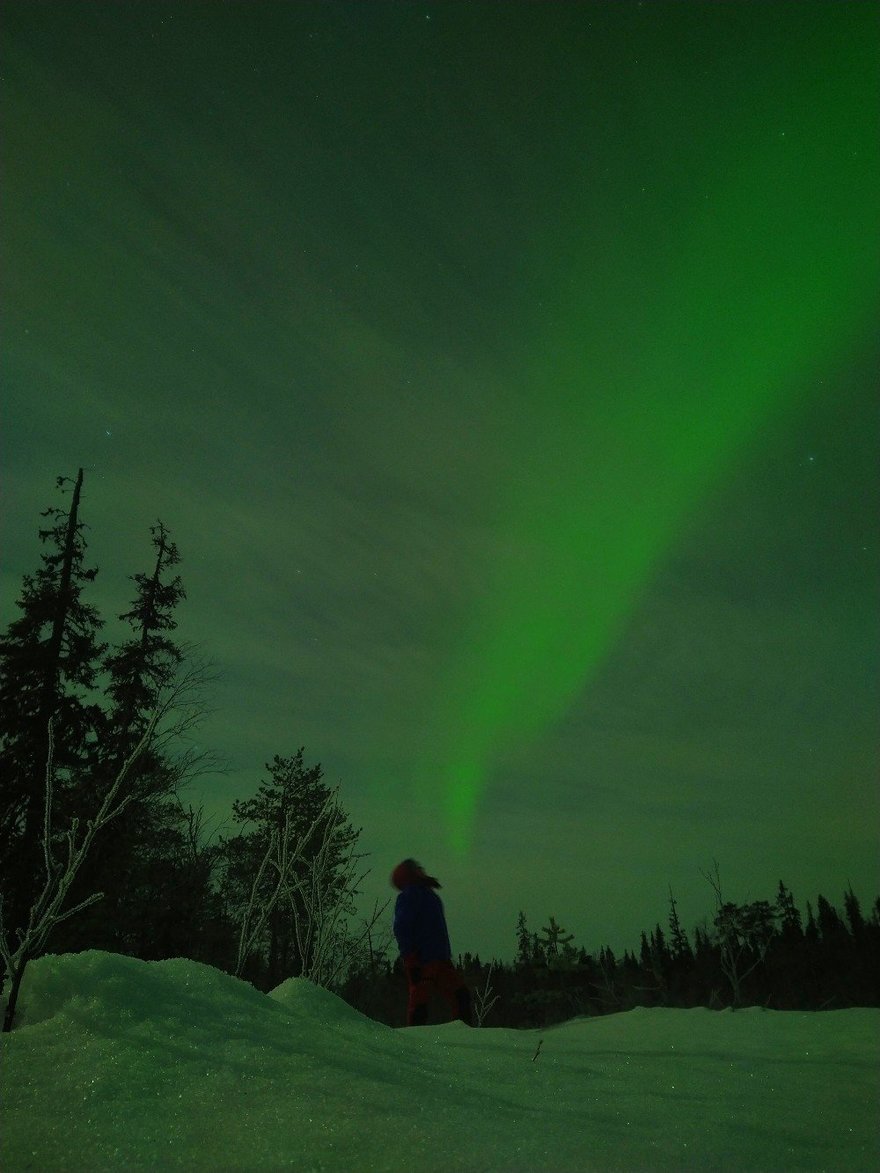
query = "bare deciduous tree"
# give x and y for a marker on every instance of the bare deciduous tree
(279, 861)
(744, 934)
(319, 896)
(326, 892)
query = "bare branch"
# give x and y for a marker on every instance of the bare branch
(484, 999)
(48, 908)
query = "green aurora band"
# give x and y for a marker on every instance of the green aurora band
(691, 335)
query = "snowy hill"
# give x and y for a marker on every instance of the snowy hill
(123, 1064)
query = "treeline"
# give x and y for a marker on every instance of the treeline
(97, 847)
(761, 953)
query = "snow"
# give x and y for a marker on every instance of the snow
(125, 1064)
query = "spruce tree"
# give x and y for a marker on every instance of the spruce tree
(832, 930)
(789, 916)
(557, 946)
(141, 869)
(49, 664)
(679, 946)
(787, 962)
(854, 916)
(146, 664)
(523, 941)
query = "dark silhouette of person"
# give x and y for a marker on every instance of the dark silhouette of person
(423, 940)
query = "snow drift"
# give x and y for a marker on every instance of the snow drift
(123, 1064)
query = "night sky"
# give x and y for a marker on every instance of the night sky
(506, 374)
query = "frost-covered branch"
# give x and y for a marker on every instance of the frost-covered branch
(48, 908)
(484, 999)
(321, 897)
(279, 860)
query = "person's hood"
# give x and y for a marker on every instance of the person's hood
(410, 872)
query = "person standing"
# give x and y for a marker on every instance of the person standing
(423, 941)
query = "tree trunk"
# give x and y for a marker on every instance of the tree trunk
(52, 661)
(50, 681)
(9, 1016)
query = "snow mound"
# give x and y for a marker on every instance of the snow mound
(116, 990)
(121, 1064)
(304, 999)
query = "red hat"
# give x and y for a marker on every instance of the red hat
(411, 872)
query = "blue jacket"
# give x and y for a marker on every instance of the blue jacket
(419, 924)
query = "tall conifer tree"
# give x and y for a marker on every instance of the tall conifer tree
(49, 662)
(679, 946)
(139, 867)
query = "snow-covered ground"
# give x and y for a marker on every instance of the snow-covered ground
(124, 1064)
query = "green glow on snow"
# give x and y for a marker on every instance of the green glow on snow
(691, 334)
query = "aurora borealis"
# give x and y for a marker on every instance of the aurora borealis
(747, 299)
(506, 374)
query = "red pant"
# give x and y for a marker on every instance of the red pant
(439, 976)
